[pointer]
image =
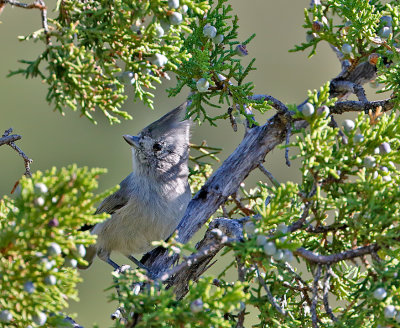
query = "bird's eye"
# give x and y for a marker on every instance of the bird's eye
(157, 147)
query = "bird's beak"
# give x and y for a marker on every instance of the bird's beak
(132, 140)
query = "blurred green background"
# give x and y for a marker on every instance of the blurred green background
(53, 140)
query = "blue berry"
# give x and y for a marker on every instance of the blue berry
(196, 306)
(202, 85)
(54, 249)
(173, 4)
(385, 32)
(159, 60)
(5, 316)
(348, 125)
(209, 31)
(159, 31)
(380, 293)
(241, 50)
(50, 280)
(40, 319)
(390, 312)
(369, 162)
(346, 49)
(41, 187)
(175, 18)
(307, 109)
(270, 248)
(218, 38)
(29, 287)
(358, 138)
(387, 20)
(385, 148)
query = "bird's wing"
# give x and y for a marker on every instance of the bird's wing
(117, 200)
(113, 202)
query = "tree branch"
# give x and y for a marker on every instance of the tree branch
(334, 258)
(314, 316)
(280, 106)
(220, 233)
(270, 297)
(8, 139)
(326, 291)
(38, 4)
(357, 106)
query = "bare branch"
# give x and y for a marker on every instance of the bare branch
(334, 258)
(314, 317)
(357, 106)
(300, 222)
(325, 229)
(220, 233)
(288, 134)
(326, 291)
(334, 124)
(37, 4)
(9, 140)
(270, 297)
(269, 175)
(359, 74)
(348, 86)
(242, 277)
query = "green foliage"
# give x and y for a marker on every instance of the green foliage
(219, 65)
(367, 28)
(348, 196)
(91, 42)
(206, 305)
(40, 244)
(346, 199)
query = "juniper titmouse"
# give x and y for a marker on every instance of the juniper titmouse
(153, 198)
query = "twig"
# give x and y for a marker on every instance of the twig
(338, 54)
(300, 222)
(273, 101)
(220, 233)
(9, 140)
(288, 134)
(269, 175)
(326, 295)
(304, 288)
(38, 4)
(196, 257)
(358, 106)
(334, 124)
(314, 302)
(348, 86)
(242, 277)
(240, 205)
(270, 297)
(44, 21)
(334, 258)
(232, 119)
(325, 229)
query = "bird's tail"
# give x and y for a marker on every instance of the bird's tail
(89, 257)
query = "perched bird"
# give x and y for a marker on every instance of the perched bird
(152, 199)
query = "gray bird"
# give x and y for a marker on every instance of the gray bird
(152, 199)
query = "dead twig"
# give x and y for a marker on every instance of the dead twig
(8, 139)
